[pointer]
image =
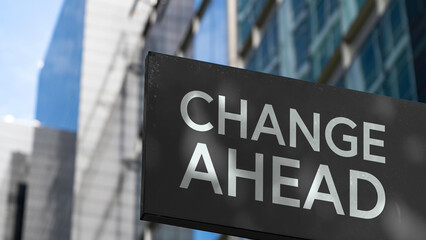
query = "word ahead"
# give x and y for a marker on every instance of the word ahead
(266, 157)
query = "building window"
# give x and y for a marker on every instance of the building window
(360, 3)
(320, 9)
(265, 57)
(396, 22)
(369, 62)
(383, 36)
(298, 6)
(403, 76)
(302, 42)
(247, 13)
(324, 9)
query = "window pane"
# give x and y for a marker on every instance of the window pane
(298, 6)
(403, 76)
(382, 37)
(396, 24)
(360, 3)
(333, 5)
(247, 12)
(301, 41)
(368, 62)
(320, 15)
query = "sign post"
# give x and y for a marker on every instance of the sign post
(266, 157)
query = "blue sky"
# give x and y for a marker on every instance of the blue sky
(25, 30)
(200, 235)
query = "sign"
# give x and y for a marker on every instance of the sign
(267, 157)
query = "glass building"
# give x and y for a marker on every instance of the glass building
(89, 87)
(361, 45)
(36, 172)
(59, 80)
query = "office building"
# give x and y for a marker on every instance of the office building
(105, 188)
(37, 173)
(90, 86)
(59, 79)
(360, 45)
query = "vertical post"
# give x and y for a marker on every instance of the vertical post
(233, 57)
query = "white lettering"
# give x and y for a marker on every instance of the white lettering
(324, 173)
(381, 197)
(268, 111)
(184, 110)
(201, 151)
(278, 180)
(351, 139)
(256, 175)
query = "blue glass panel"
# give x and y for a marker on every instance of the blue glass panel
(201, 235)
(210, 42)
(341, 83)
(320, 9)
(388, 88)
(396, 22)
(247, 13)
(333, 5)
(383, 38)
(298, 6)
(403, 76)
(267, 51)
(360, 3)
(336, 36)
(197, 4)
(59, 80)
(302, 42)
(368, 62)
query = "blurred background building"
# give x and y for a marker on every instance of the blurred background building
(37, 174)
(77, 176)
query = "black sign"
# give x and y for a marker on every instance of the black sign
(267, 157)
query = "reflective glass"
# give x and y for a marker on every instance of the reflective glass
(247, 13)
(368, 62)
(320, 11)
(302, 42)
(383, 38)
(265, 56)
(59, 80)
(403, 76)
(210, 42)
(298, 6)
(396, 22)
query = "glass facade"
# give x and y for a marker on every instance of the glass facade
(210, 43)
(300, 38)
(247, 13)
(266, 57)
(59, 80)
(416, 12)
(385, 64)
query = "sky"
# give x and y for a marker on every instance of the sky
(25, 30)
